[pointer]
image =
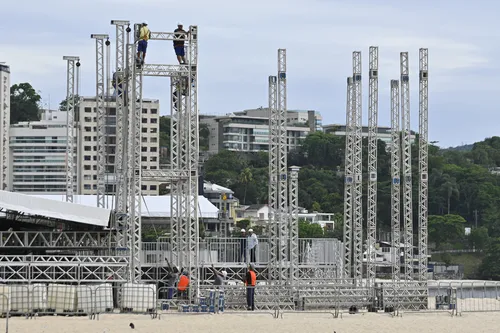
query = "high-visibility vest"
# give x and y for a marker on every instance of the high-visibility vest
(253, 279)
(183, 283)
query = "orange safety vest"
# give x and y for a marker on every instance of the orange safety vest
(183, 283)
(253, 279)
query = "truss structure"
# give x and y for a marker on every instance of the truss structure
(423, 163)
(407, 184)
(273, 178)
(396, 180)
(358, 168)
(372, 166)
(72, 77)
(348, 179)
(283, 216)
(5, 126)
(55, 240)
(122, 80)
(294, 224)
(101, 115)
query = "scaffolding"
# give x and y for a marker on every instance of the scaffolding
(5, 126)
(348, 180)
(273, 178)
(72, 79)
(396, 180)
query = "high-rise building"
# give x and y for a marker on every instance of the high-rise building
(38, 155)
(4, 126)
(248, 130)
(87, 144)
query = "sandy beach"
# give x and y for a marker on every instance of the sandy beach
(251, 323)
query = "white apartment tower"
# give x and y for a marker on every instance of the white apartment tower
(38, 155)
(4, 126)
(87, 144)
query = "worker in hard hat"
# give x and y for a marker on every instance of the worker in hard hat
(179, 38)
(142, 45)
(219, 277)
(252, 245)
(183, 285)
(243, 245)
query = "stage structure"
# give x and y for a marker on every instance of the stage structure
(72, 80)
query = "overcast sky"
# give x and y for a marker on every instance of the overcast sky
(238, 43)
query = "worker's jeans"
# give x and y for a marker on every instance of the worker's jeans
(250, 298)
(252, 255)
(170, 294)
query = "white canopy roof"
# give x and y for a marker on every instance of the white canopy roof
(39, 206)
(151, 206)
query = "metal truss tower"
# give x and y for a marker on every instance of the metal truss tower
(407, 178)
(372, 165)
(273, 179)
(72, 75)
(121, 80)
(283, 215)
(101, 115)
(5, 126)
(423, 163)
(348, 180)
(358, 168)
(396, 179)
(294, 224)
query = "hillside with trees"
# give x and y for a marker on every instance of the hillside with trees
(464, 190)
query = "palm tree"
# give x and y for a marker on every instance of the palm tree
(246, 178)
(450, 187)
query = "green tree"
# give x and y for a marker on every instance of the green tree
(310, 230)
(64, 103)
(446, 229)
(490, 266)
(479, 238)
(24, 103)
(246, 178)
(204, 134)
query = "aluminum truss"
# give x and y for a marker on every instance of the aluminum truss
(5, 126)
(348, 180)
(294, 224)
(396, 180)
(72, 76)
(407, 178)
(121, 79)
(283, 216)
(358, 169)
(273, 178)
(372, 166)
(423, 163)
(101, 114)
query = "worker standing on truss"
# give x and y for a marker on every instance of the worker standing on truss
(180, 35)
(144, 35)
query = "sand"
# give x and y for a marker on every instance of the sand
(261, 323)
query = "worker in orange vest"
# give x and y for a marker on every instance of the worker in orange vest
(250, 281)
(183, 284)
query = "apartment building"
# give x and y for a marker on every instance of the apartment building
(38, 155)
(248, 130)
(383, 133)
(87, 144)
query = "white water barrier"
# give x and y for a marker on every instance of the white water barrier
(138, 297)
(28, 297)
(97, 298)
(61, 298)
(4, 298)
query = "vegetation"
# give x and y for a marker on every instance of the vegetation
(24, 103)
(463, 190)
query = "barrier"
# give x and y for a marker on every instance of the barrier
(5, 300)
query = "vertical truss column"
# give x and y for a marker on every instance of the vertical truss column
(135, 165)
(294, 224)
(273, 179)
(121, 130)
(407, 192)
(372, 165)
(282, 167)
(193, 158)
(396, 179)
(348, 180)
(423, 163)
(5, 126)
(71, 80)
(358, 169)
(101, 116)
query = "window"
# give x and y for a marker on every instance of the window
(154, 121)
(86, 167)
(86, 158)
(88, 110)
(153, 130)
(153, 149)
(144, 130)
(144, 111)
(144, 187)
(144, 159)
(87, 119)
(86, 187)
(144, 139)
(144, 120)
(153, 159)
(154, 111)
(87, 148)
(153, 140)
(152, 187)
(144, 149)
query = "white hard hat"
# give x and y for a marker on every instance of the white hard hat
(179, 23)
(242, 230)
(250, 230)
(224, 273)
(145, 22)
